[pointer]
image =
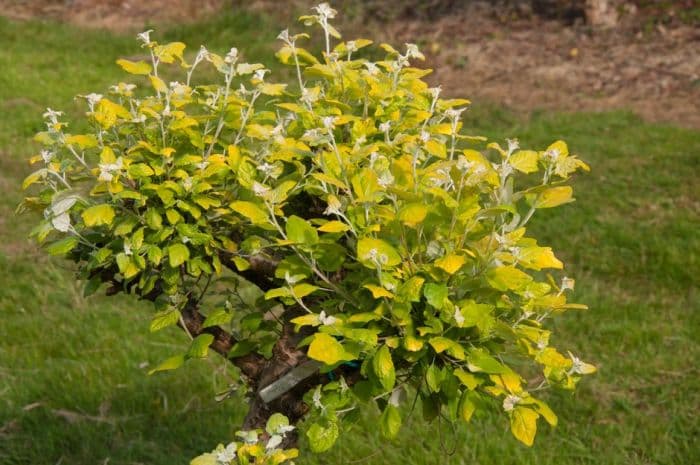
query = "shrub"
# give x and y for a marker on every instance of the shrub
(340, 239)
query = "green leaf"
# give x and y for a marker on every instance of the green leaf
(371, 251)
(126, 265)
(153, 219)
(140, 170)
(178, 254)
(479, 360)
(210, 458)
(326, 349)
(135, 67)
(410, 291)
(479, 315)
(383, 367)
(278, 292)
(300, 231)
(164, 319)
(390, 422)
(216, 318)
(98, 215)
(435, 294)
(63, 246)
(523, 425)
(433, 378)
(155, 254)
(199, 348)
(171, 363)
(241, 348)
(322, 436)
(275, 422)
(413, 214)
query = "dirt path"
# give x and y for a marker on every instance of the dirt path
(525, 64)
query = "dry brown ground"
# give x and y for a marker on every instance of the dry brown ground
(116, 15)
(529, 64)
(523, 63)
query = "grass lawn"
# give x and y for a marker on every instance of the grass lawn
(73, 372)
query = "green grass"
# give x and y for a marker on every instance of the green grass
(631, 240)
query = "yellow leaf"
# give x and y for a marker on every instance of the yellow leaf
(552, 197)
(84, 141)
(467, 379)
(436, 148)
(523, 424)
(506, 278)
(33, 178)
(107, 155)
(303, 289)
(168, 52)
(466, 406)
(273, 89)
(107, 112)
(135, 67)
(546, 412)
(450, 263)
(553, 359)
(259, 131)
(326, 349)
(158, 83)
(511, 381)
(98, 215)
(441, 344)
(538, 258)
(378, 292)
(310, 319)
(490, 175)
(412, 343)
(324, 177)
(525, 161)
(250, 210)
(560, 147)
(334, 227)
(413, 214)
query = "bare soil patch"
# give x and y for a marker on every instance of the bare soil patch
(532, 64)
(116, 15)
(524, 62)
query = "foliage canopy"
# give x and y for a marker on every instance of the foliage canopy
(343, 225)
